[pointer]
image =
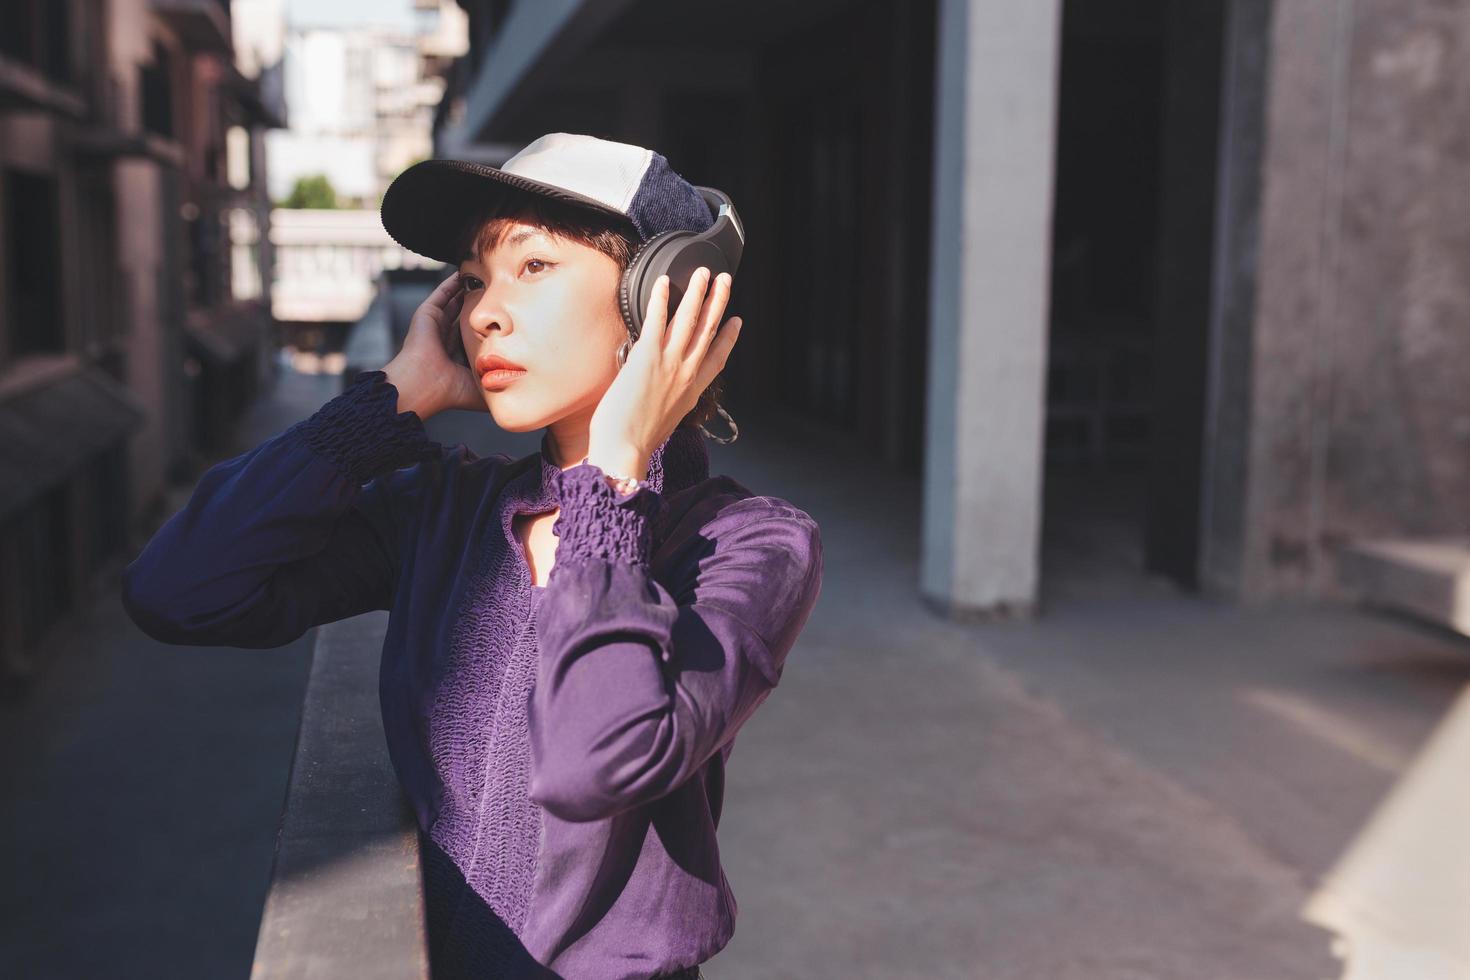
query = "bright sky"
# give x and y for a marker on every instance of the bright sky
(350, 13)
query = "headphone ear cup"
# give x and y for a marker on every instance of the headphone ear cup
(632, 316)
(643, 268)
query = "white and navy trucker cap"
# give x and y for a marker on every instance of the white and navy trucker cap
(427, 205)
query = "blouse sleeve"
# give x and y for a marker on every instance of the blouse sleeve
(297, 532)
(637, 687)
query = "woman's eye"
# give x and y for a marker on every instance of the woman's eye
(473, 283)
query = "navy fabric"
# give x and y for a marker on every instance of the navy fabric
(665, 201)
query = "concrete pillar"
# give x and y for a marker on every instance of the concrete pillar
(995, 127)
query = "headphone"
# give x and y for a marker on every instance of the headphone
(677, 254)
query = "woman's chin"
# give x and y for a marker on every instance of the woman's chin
(507, 418)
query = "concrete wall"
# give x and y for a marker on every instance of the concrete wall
(1357, 411)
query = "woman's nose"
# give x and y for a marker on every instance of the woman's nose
(484, 315)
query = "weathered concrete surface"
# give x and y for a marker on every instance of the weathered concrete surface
(1359, 415)
(346, 892)
(1424, 577)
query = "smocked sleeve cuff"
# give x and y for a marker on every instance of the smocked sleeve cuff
(362, 432)
(597, 522)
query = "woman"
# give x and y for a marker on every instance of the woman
(575, 636)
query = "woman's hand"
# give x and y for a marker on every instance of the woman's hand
(428, 381)
(668, 367)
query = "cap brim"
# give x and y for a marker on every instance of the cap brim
(426, 206)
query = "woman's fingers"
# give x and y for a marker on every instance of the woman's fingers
(449, 331)
(719, 352)
(681, 330)
(709, 319)
(436, 306)
(655, 318)
(449, 307)
(692, 338)
(445, 290)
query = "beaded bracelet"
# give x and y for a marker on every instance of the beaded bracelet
(622, 484)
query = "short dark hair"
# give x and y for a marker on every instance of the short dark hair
(614, 237)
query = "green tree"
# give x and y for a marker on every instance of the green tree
(314, 191)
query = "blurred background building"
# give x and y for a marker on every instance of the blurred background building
(150, 279)
(133, 324)
(362, 101)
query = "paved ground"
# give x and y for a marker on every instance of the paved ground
(1139, 784)
(141, 788)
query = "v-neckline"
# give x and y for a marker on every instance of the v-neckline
(524, 546)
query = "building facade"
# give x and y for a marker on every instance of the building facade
(132, 326)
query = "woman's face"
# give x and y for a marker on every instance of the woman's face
(550, 306)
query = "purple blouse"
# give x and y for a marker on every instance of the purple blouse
(563, 748)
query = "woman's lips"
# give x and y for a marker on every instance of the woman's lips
(496, 371)
(491, 362)
(499, 378)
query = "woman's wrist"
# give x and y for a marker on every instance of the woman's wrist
(401, 378)
(619, 462)
(598, 521)
(363, 433)
(623, 485)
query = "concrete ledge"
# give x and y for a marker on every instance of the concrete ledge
(1425, 577)
(346, 891)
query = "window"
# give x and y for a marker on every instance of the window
(38, 33)
(157, 86)
(35, 323)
